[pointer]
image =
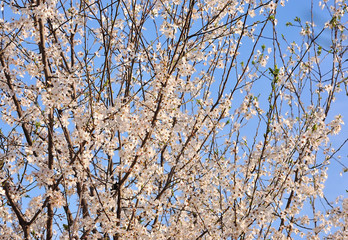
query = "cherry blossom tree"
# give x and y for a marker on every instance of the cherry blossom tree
(169, 119)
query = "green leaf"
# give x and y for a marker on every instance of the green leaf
(319, 50)
(37, 126)
(333, 21)
(315, 127)
(66, 227)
